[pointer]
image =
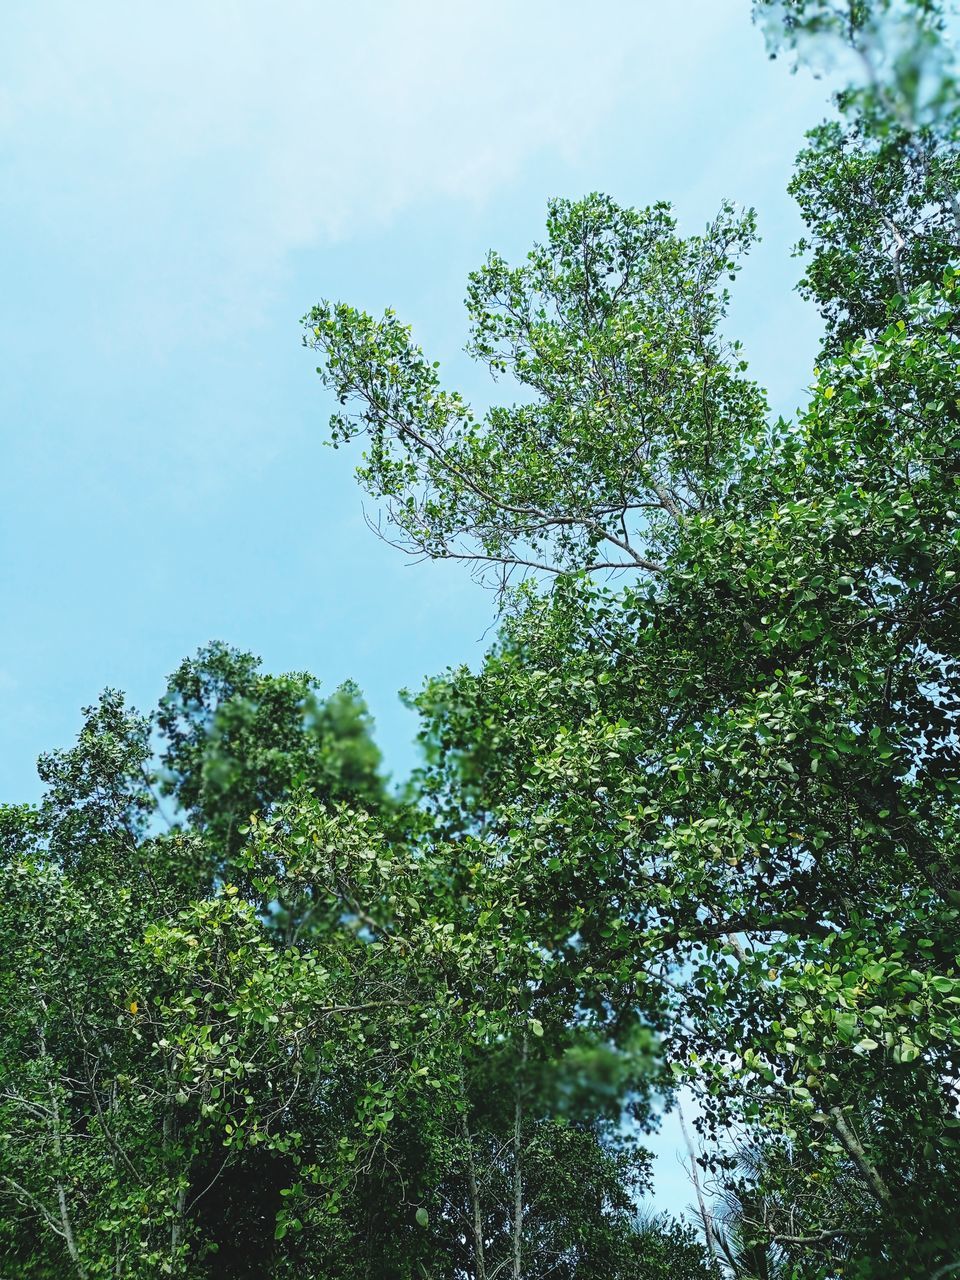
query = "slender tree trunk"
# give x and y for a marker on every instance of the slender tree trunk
(62, 1206)
(176, 1227)
(854, 1149)
(516, 1225)
(68, 1232)
(705, 1214)
(476, 1214)
(170, 1134)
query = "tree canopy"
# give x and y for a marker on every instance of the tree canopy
(288, 1028)
(691, 825)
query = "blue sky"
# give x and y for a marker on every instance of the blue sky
(180, 183)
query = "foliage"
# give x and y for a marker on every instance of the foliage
(340, 1069)
(632, 402)
(789, 22)
(877, 187)
(693, 822)
(731, 785)
(236, 741)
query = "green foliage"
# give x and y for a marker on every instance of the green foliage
(877, 187)
(793, 22)
(695, 826)
(665, 1247)
(329, 1070)
(730, 789)
(882, 219)
(236, 741)
(632, 402)
(735, 797)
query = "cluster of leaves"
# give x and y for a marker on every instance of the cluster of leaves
(877, 186)
(294, 1030)
(634, 402)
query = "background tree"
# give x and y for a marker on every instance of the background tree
(878, 186)
(236, 741)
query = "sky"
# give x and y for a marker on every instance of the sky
(180, 183)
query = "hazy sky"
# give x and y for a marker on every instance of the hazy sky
(179, 183)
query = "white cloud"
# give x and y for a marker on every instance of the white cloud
(202, 142)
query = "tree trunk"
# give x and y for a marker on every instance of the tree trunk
(476, 1215)
(854, 1149)
(516, 1224)
(63, 1207)
(705, 1215)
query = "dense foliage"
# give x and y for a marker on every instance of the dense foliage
(693, 822)
(287, 1029)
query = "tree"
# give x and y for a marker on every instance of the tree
(236, 741)
(157, 1032)
(729, 785)
(612, 325)
(336, 1069)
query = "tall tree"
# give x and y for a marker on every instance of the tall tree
(731, 785)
